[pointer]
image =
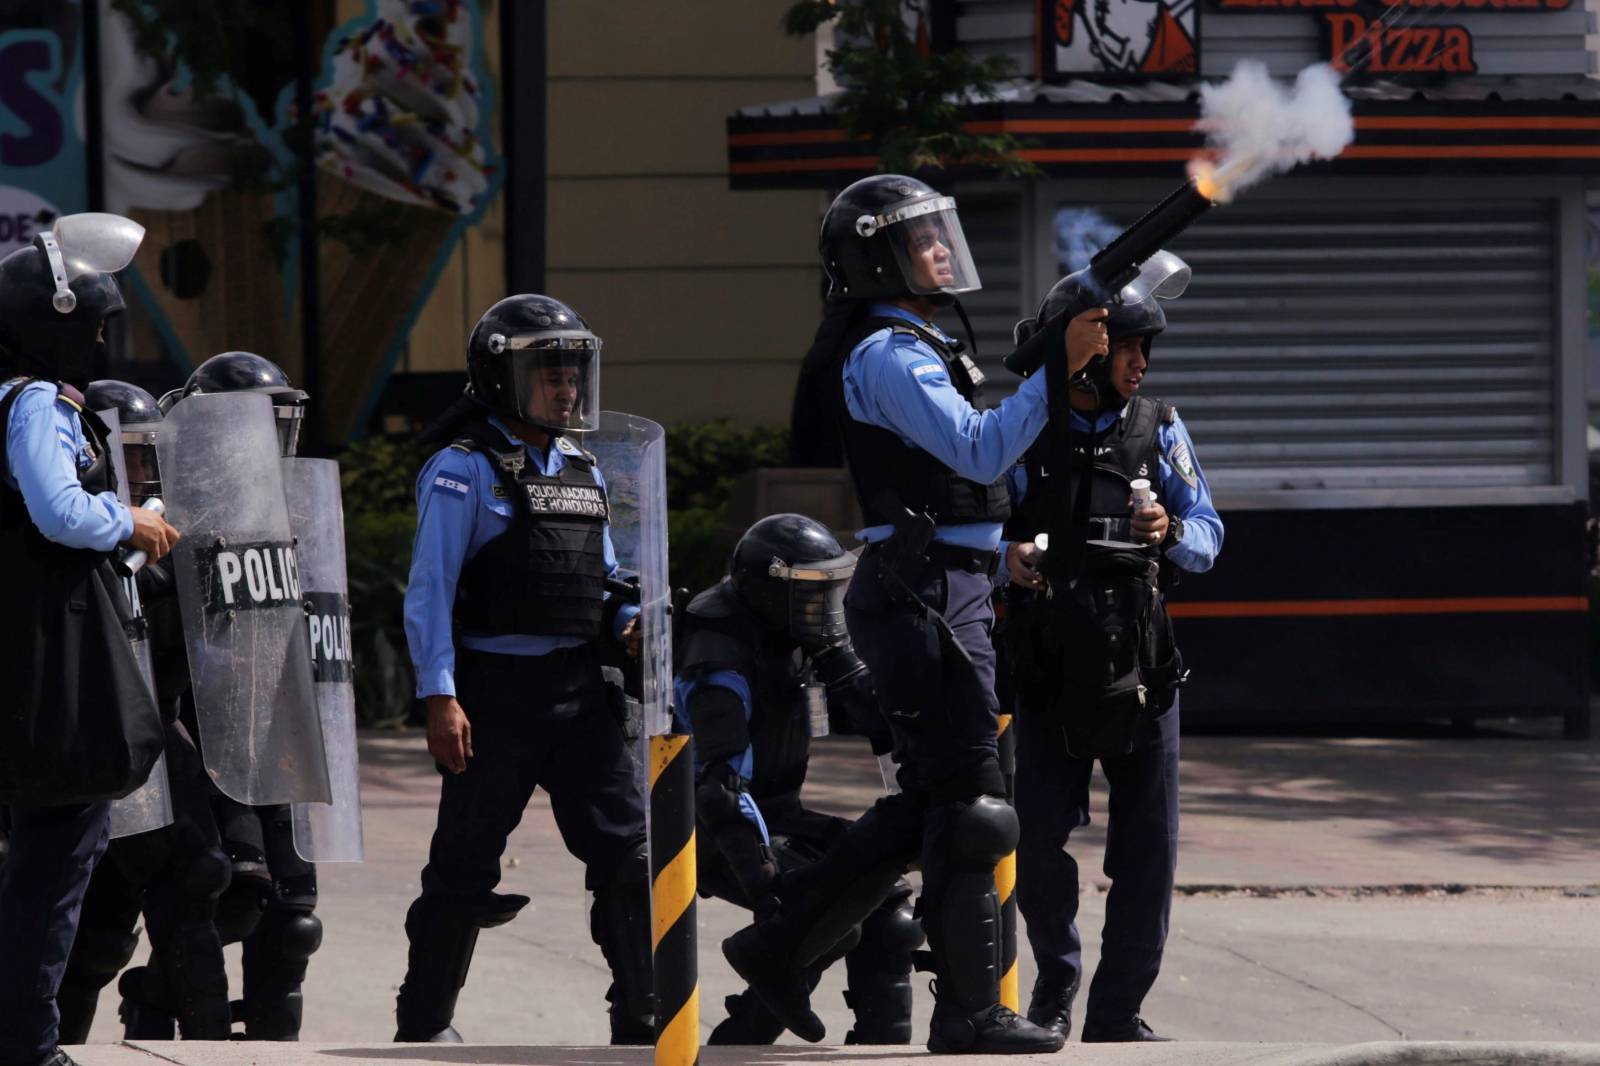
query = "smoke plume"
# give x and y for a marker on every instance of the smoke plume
(1259, 128)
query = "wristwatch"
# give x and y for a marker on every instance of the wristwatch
(1174, 532)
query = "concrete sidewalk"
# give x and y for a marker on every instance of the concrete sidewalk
(1333, 892)
(1186, 1054)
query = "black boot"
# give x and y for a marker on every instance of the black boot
(766, 964)
(748, 1022)
(961, 915)
(879, 970)
(275, 960)
(443, 934)
(620, 924)
(1051, 1005)
(145, 1014)
(1128, 1031)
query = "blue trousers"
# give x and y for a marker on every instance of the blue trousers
(1052, 793)
(53, 852)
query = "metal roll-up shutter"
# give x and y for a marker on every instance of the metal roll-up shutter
(1341, 345)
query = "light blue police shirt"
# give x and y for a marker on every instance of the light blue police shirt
(45, 450)
(897, 382)
(457, 514)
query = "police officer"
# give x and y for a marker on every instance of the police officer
(1065, 723)
(271, 895)
(60, 520)
(766, 664)
(928, 464)
(172, 875)
(506, 603)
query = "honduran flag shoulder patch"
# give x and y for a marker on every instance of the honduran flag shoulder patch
(451, 484)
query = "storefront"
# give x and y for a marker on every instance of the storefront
(1381, 358)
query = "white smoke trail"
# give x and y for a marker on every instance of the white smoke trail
(1258, 128)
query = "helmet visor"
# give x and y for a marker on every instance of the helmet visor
(1163, 276)
(96, 243)
(816, 599)
(288, 418)
(930, 248)
(557, 380)
(139, 456)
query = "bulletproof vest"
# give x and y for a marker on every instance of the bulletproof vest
(546, 575)
(80, 724)
(888, 473)
(1101, 654)
(720, 633)
(1130, 448)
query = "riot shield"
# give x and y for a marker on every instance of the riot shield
(326, 832)
(632, 455)
(239, 594)
(150, 805)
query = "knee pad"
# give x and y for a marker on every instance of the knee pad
(241, 905)
(294, 934)
(100, 954)
(984, 832)
(891, 934)
(207, 874)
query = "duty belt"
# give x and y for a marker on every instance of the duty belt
(952, 556)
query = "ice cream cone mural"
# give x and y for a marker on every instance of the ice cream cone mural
(398, 136)
(399, 150)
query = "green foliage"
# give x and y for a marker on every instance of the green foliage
(705, 459)
(378, 551)
(698, 546)
(704, 462)
(380, 520)
(908, 100)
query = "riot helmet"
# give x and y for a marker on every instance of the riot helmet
(1135, 309)
(249, 372)
(533, 359)
(792, 572)
(57, 293)
(140, 417)
(890, 235)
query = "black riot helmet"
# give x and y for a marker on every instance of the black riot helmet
(1142, 318)
(533, 359)
(890, 235)
(1135, 310)
(57, 293)
(792, 572)
(140, 418)
(249, 372)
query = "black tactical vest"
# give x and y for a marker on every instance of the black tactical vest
(1129, 449)
(79, 723)
(546, 575)
(719, 633)
(888, 473)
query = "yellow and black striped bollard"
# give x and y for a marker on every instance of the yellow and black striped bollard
(1005, 879)
(672, 881)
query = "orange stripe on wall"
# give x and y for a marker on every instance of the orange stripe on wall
(1471, 151)
(1184, 125)
(1345, 608)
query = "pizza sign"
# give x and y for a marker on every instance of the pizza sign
(1393, 37)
